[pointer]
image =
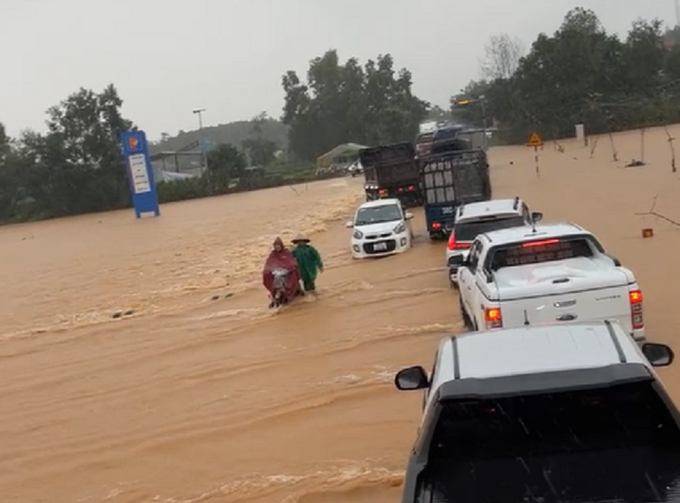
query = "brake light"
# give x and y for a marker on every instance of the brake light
(400, 189)
(452, 241)
(411, 187)
(635, 297)
(454, 245)
(436, 225)
(382, 192)
(545, 242)
(493, 317)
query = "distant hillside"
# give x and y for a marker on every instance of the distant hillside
(234, 133)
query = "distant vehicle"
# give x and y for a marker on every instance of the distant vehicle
(355, 168)
(391, 171)
(451, 179)
(560, 413)
(553, 273)
(477, 218)
(427, 126)
(380, 228)
(447, 138)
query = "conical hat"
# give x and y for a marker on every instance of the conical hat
(300, 237)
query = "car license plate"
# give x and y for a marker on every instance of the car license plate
(379, 246)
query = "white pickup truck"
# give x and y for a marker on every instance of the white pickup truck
(553, 273)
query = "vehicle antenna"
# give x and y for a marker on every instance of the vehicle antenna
(526, 319)
(533, 226)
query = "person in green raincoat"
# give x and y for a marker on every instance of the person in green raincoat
(309, 262)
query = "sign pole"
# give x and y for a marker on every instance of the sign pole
(538, 175)
(535, 141)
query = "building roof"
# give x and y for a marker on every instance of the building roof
(341, 149)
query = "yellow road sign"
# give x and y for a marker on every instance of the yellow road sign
(535, 140)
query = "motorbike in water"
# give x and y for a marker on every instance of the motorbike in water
(281, 293)
(281, 278)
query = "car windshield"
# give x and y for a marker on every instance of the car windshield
(539, 251)
(468, 231)
(617, 444)
(378, 214)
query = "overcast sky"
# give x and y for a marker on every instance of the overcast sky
(167, 57)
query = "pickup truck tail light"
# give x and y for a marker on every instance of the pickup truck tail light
(637, 318)
(456, 245)
(493, 317)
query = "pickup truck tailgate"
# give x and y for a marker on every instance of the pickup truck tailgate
(575, 289)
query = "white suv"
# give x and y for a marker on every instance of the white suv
(477, 218)
(379, 228)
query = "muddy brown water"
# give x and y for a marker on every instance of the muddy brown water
(190, 399)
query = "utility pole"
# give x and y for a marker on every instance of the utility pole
(201, 140)
(482, 100)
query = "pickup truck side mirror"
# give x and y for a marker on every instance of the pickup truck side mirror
(537, 216)
(411, 378)
(659, 355)
(349, 224)
(456, 261)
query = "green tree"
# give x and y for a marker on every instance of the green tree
(260, 151)
(225, 163)
(580, 74)
(347, 103)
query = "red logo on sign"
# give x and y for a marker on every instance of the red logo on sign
(133, 142)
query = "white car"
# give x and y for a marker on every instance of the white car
(380, 228)
(477, 218)
(551, 273)
(534, 413)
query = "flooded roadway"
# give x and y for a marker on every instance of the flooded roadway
(190, 399)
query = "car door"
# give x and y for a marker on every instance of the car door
(466, 277)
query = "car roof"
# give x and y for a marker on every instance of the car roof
(501, 207)
(379, 202)
(542, 231)
(535, 349)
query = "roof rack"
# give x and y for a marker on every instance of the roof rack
(456, 358)
(617, 344)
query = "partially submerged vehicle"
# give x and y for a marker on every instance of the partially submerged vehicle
(544, 414)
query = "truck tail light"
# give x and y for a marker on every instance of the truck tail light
(382, 192)
(452, 241)
(436, 225)
(635, 297)
(493, 317)
(455, 245)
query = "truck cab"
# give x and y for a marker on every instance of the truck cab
(551, 414)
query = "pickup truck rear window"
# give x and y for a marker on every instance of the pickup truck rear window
(536, 252)
(613, 444)
(468, 231)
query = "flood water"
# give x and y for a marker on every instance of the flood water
(189, 399)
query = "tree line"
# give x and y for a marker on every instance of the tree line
(580, 74)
